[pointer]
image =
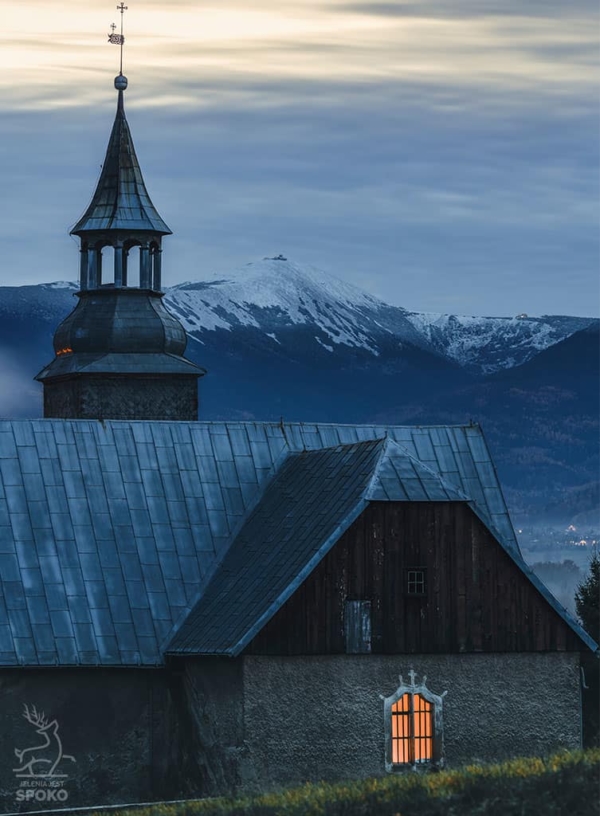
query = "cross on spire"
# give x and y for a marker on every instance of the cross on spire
(122, 8)
(119, 39)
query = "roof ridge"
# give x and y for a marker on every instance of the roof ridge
(435, 473)
(375, 477)
(390, 445)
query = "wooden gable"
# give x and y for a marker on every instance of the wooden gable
(474, 597)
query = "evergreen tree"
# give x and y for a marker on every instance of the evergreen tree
(587, 599)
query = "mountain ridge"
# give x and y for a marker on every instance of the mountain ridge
(276, 293)
(280, 340)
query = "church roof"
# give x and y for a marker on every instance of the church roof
(311, 501)
(110, 532)
(121, 201)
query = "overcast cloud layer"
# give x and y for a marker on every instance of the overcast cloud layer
(443, 156)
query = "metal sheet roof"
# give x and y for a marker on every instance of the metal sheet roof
(311, 501)
(298, 518)
(110, 531)
(121, 201)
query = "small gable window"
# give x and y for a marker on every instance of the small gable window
(416, 581)
(413, 726)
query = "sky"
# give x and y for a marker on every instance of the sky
(443, 155)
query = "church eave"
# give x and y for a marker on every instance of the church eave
(125, 364)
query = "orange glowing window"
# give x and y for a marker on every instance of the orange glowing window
(412, 730)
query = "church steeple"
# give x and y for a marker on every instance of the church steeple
(119, 354)
(121, 214)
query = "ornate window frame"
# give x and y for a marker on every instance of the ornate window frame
(437, 702)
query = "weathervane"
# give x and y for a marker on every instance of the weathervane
(118, 39)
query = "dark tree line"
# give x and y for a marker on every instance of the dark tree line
(587, 600)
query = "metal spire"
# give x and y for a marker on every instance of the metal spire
(119, 39)
(121, 201)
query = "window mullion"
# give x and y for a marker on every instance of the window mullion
(411, 731)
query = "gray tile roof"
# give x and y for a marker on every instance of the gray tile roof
(109, 532)
(121, 201)
(311, 501)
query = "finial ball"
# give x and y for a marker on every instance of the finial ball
(120, 82)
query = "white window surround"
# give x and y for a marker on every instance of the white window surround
(438, 726)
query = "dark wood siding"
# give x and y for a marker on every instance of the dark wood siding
(476, 599)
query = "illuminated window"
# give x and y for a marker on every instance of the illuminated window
(416, 581)
(413, 726)
(412, 730)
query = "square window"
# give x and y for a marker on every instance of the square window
(416, 581)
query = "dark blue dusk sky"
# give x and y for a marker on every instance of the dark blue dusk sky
(441, 155)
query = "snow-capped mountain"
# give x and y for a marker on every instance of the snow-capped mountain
(275, 294)
(489, 344)
(283, 340)
(275, 298)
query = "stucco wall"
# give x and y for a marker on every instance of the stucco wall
(117, 725)
(217, 725)
(211, 707)
(310, 718)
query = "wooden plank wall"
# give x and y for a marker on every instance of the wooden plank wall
(477, 599)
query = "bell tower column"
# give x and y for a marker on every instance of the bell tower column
(157, 269)
(145, 266)
(83, 266)
(119, 264)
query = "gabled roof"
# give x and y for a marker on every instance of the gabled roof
(401, 477)
(307, 506)
(312, 500)
(121, 201)
(110, 531)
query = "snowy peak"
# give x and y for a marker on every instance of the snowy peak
(489, 344)
(281, 283)
(275, 293)
(72, 285)
(291, 309)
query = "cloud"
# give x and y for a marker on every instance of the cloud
(468, 9)
(529, 48)
(430, 157)
(413, 198)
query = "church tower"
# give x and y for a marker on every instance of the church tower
(119, 354)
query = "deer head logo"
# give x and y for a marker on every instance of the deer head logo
(41, 760)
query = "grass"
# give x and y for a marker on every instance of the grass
(565, 784)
